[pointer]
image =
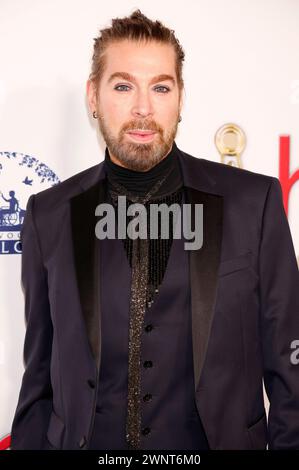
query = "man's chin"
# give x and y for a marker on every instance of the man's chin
(138, 161)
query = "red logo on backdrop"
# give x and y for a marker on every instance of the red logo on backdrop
(5, 442)
(286, 180)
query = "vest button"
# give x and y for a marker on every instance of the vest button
(148, 328)
(82, 441)
(147, 397)
(91, 383)
(146, 431)
(147, 364)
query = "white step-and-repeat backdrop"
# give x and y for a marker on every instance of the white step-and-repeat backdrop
(241, 66)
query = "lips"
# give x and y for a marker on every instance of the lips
(141, 133)
(141, 136)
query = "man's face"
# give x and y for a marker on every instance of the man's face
(137, 101)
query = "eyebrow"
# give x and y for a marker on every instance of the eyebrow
(127, 76)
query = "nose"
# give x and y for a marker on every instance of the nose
(142, 105)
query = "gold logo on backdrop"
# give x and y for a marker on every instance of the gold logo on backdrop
(230, 142)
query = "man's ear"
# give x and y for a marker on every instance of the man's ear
(91, 95)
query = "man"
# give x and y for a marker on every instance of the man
(141, 343)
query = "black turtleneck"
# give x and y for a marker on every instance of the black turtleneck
(140, 182)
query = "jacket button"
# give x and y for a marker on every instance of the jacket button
(91, 383)
(82, 441)
(147, 364)
(146, 431)
(148, 328)
(147, 397)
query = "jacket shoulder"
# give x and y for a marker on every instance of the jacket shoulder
(227, 175)
(63, 191)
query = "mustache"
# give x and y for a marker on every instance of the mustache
(142, 125)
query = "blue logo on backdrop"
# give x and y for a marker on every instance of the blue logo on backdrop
(20, 176)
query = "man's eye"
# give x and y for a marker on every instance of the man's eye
(166, 89)
(118, 86)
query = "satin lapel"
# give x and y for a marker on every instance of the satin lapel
(86, 256)
(201, 188)
(204, 264)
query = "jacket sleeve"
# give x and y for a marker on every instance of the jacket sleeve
(31, 419)
(279, 295)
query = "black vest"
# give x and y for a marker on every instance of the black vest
(170, 418)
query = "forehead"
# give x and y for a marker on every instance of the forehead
(141, 59)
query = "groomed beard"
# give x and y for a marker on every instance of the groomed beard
(139, 156)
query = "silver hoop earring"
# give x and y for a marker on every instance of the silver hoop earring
(95, 115)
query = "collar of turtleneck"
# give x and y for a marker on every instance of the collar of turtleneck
(140, 182)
